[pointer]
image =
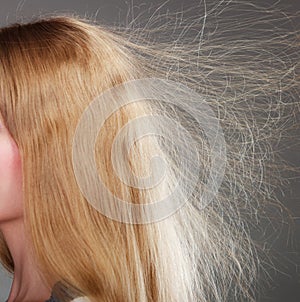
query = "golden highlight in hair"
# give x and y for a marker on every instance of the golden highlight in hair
(53, 67)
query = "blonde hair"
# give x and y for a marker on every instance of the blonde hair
(53, 67)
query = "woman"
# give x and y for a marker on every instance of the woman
(56, 235)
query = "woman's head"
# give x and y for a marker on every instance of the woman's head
(50, 71)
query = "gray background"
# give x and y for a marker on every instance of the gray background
(286, 274)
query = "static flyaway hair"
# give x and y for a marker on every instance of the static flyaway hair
(230, 80)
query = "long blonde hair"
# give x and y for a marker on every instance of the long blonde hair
(53, 67)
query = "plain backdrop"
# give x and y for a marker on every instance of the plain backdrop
(286, 277)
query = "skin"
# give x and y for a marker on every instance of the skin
(27, 285)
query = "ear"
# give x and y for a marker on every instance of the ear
(11, 206)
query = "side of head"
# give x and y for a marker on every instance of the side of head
(50, 71)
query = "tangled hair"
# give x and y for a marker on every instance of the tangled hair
(52, 68)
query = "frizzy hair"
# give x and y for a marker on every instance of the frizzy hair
(53, 67)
